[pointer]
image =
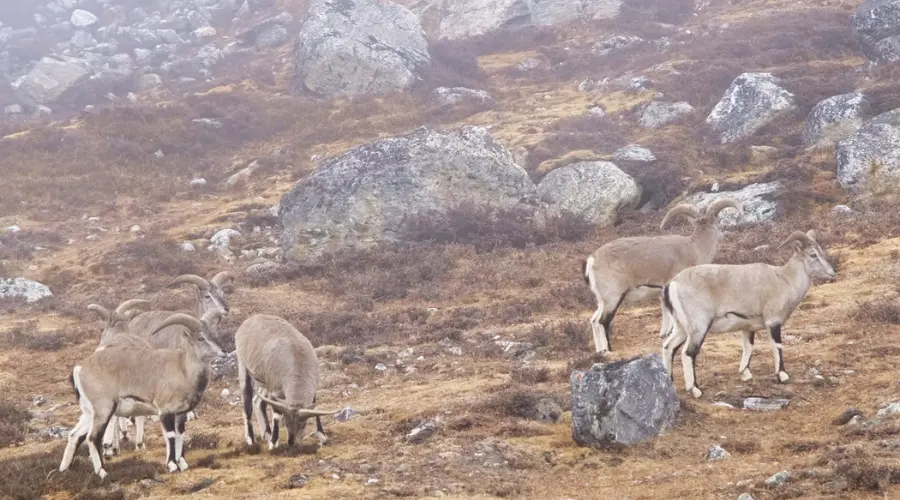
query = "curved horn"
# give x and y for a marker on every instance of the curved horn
(126, 306)
(685, 209)
(301, 412)
(796, 236)
(192, 323)
(222, 278)
(712, 211)
(193, 279)
(100, 310)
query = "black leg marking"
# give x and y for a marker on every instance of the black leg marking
(607, 319)
(584, 271)
(775, 331)
(752, 338)
(275, 428)
(168, 423)
(264, 409)
(248, 405)
(292, 436)
(81, 439)
(319, 426)
(98, 436)
(675, 350)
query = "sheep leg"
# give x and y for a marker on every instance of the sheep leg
(261, 409)
(111, 439)
(276, 423)
(748, 338)
(77, 436)
(102, 416)
(168, 425)
(180, 421)
(775, 332)
(688, 361)
(247, 401)
(601, 323)
(670, 347)
(139, 432)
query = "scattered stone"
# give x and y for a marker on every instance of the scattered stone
(597, 111)
(381, 367)
(638, 84)
(187, 246)
(762, 154)
(843, 210)
(198, 182)
(135, 228)
(38, 401)
(846, 416)
(778, 479)
(745, 496)
(371, 481)
(450, 96)
(208, 122)
(888, 410)
(716, 453)
(765, 404)
(52, 79)
(56, 432)
(346, 414)
(547, 410)
(616, 43)
(297, 481)
(242, 176)
(624, 402)
(594, 190)
(421, 432)
(657, 114)
(752, 101)
(723, 404)
(516, 350)
(82, 19)
(205, 32)
(13, 229)
(21, 288)
(225, 394)
(635, 153)
(529, 64)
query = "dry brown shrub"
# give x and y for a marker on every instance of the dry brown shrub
(587, 132)
(13, 424)
(530, 375)
(155, 254)
(878, 311)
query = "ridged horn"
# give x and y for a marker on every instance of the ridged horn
(100, 310)
(192, 323)
(222, 278)
(301, 412)
(685, 209)
(130, 304)
(797, 236)
(192, 279)
(712, 211)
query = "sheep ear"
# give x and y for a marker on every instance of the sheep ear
(812, 234)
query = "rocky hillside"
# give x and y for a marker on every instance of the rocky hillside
(414, 185)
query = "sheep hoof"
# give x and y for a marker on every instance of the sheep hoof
(139, 446)
(173, 467)
(272, 446)
(783, 377)
(746, 375)
(182, 464)
(323, 439)
(101, 473)
(249, 441)
(696, 392)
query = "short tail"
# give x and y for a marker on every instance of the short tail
(586, 267)
(667, 301)
(72, 376)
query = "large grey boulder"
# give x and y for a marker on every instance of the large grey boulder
(23, 289)
(353, 47)
(366, 195)
(594, 190)
(878, 24)
(834, 119)
(658, 114)
(451, 96)
(868, 162)
(622, 403)
(551, 12)
(752, 101)
(51, 79)
(758, 200)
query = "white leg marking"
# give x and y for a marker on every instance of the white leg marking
(747, 352)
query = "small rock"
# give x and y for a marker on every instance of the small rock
(150, 483)
(381, 367)
(716, 453)
(346, 414)
(765, 404)
(745, 496)
(198, 182)
(38, 401)
(778, 479)
(225, 393)
(889, 410)
(187, 246)
(21, 288)
(633, 152)
(723, 404)
(208, 122)
(638, 84)
(846, 416)
(297, 481)
(842, 209)
(204, 32)
(529, 63)
(82, 19)
(13, 229)
(856, 420)
(158, 153)
(422, 432)
(13, 109)
(372, 481)
(56, 432)
(135, 228)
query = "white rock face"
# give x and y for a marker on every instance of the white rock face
(21, 288)
(834, 119)
(658, 114)
(595, 190)
(878, 24)
(756, 198)
(752, 101)
(868, 162)
(354, 47)
(82, 18)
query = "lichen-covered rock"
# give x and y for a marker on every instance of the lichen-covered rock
(23, 289)
(757, 199)
(658, 114)
(868, 162)
(594, 190)
(752, 101)
(877, 22)
(52, 79)
(623, 403)
(354, 47)
(450, 96)
(634, 153)
(366, 195)
(834, 119)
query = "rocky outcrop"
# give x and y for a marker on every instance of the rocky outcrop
(758, 201)
(23, 289)
(752, 101)
(658, 114)
(622, 403)
(52, 79)
(834, 119)
(354, 47)
(868, 162)
(877, 23)
(366, 195)
(593, 190)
